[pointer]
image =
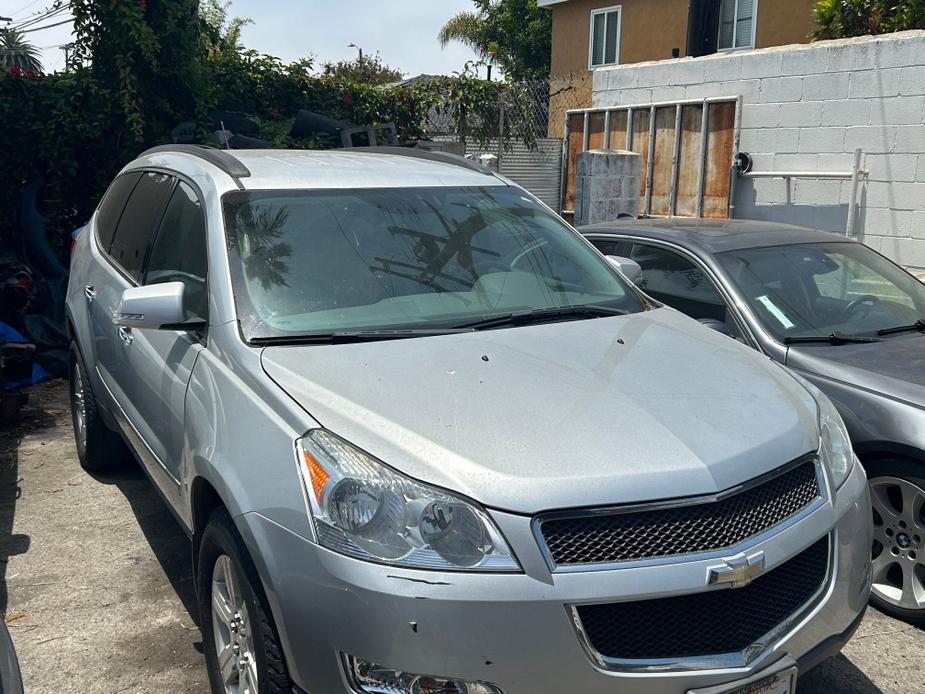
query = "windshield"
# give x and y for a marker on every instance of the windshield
(818, 289)
(315, 262)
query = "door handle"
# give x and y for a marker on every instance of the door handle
(125, 334)
(90, 292)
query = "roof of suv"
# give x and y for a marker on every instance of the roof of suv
(343, 168)
(718, 235)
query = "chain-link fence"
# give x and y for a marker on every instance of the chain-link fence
(509, 112)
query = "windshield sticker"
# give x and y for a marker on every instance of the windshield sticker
(774, 311)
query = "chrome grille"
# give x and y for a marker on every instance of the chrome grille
(615, 536)
(716, 622)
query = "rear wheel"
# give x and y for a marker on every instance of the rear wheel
(242, 647)
(98, 446)
(897, 494)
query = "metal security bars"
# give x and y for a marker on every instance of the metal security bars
(686, 148)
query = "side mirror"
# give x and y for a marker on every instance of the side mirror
(716, 325)
(154, 306)
(630, 269)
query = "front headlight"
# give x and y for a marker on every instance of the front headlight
(366, 510)
(835, 445)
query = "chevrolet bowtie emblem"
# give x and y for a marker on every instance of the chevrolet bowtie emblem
(738, 571)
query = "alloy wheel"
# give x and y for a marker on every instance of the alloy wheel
(898, 552)
(234, 641)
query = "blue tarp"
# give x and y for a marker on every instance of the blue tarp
(8, 334)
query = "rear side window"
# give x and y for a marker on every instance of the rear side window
(179, 251)
(107, 216)
(135, 231)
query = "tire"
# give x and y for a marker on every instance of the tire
(98, 446)
(222, 552)
(897, 491)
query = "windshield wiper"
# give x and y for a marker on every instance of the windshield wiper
(918, 325)
(348, 336)
(543, 315)
(834, 338)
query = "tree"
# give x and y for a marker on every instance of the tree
(836, 19)
(149, 56)
(514, 34)
(17, 52)
(219, 33)
(363, 70)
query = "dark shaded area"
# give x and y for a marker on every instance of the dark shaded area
(167, 540)
(29, 421)
(836, 674)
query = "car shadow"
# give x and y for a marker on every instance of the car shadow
(836, 674)
(168, 542)
(31, 419)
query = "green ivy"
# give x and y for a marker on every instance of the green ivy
(837, 19)
(139, 69)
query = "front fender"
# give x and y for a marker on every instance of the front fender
(241, 432)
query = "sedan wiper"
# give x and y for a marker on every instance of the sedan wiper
(835, 338)
(348, 336)
(918, 325)
(541, 315)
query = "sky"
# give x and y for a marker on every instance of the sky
(404, 32)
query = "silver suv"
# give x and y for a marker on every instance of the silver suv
(424, 438)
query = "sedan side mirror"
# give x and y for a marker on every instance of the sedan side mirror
(629, 268)
(154, 306)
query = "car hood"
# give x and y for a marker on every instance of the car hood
(894, 366)
(580, 413)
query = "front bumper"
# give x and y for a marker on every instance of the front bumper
(514, 630)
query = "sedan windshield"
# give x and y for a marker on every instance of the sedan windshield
(317, 262)
(825, 290)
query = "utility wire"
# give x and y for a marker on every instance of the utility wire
(24, 7)
(49, 14)
(49, 26)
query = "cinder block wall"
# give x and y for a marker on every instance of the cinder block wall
(806, 108)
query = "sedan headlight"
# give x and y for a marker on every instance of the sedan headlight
(366, 510)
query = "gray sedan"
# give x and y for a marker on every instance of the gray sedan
(836, 312)
(424, 438)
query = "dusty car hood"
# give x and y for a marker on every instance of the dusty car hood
(581, 413)
(895, 366)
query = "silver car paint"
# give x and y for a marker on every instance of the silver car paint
(234, 427)
(560, 415)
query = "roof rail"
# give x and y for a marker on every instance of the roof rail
(217, 157)
(428, 155)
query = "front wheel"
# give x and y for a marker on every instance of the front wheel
(897, 494)
(243, 653)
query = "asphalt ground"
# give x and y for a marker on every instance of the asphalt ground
(96, 585)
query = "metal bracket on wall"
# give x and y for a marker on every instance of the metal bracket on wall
(855, 176)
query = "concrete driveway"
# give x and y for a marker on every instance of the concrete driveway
(96, 586)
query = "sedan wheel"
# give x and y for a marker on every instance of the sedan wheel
(231, 628)
(898, 551)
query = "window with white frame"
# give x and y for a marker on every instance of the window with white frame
(605, 37)
(737, 24)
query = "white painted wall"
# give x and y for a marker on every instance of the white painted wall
(806, 108)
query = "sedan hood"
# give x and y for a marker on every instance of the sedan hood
(580, 413)
(895, 366)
